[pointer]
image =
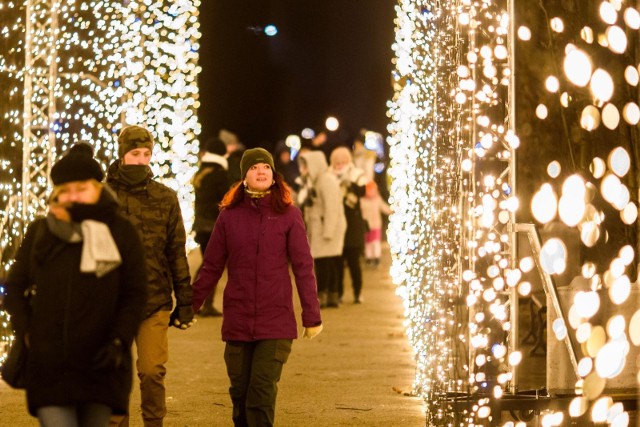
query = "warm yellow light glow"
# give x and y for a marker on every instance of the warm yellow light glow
(524, 33)
(617, 39)
(601, 85)
(608, 13)
(544, 204)
(610, 116)
(632, 18)
(577, 67)
(590, 119)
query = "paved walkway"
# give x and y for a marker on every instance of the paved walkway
(358, 372)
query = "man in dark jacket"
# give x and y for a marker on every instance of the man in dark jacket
(210, 184)
(155, 212)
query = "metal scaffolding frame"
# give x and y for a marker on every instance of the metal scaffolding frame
(40, 77)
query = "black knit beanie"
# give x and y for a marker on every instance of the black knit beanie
(77, 165)
(215, 146)
(253, 156)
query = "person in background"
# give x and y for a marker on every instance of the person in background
(257, 235)
(373, 207)
(210, 183)
(235, 149)
(363, 158)
(154, 210)
(83, 266)
(323, 209)
(352, 186)
(285, 165)
(305, 147)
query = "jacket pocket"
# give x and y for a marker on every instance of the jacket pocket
(233, 355)
(283, 349)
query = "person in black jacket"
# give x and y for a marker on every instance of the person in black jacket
(85, 270)
(353, 183)
(210, 183)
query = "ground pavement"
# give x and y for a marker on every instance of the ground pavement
(357, 372)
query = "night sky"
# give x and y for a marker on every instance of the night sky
(330, 57)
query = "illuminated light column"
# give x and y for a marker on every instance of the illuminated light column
(449, 238)
(425, 179)
(160, 58)
(81, 83)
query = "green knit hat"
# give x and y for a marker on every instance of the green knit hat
(253, 156)
(132, 137)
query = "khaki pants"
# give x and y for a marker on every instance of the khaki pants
(153, 353)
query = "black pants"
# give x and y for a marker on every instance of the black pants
(351, 255)
(254, 369)
(326, 270)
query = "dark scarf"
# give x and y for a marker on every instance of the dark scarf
(104, 210)
(134, 174)
(128, 175)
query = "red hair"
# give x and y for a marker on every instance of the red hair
(280, 195)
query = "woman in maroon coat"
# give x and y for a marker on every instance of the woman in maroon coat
(257, 235)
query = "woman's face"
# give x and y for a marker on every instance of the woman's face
(78, 192)
(259, 177)
(339, 165)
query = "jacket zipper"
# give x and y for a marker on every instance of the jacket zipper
(255, 283)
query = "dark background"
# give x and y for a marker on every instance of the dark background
(330, 57)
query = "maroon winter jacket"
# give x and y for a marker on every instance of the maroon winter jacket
(256, 245)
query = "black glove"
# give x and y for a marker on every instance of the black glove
(182, 317)
(109, 356)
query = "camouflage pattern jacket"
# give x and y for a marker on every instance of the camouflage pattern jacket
(154, 210)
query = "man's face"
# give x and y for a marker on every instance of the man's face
(137, 156)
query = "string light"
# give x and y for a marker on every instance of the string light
(110, 64)
(451, 153)
(424, 230)
(452, 199)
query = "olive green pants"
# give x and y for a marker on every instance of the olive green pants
(254, 369)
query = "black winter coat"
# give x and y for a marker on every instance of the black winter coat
(73, 315)
(210, 184)
(356, 225)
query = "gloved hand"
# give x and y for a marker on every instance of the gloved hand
(182, 317)
(311, 332)
(109, 356)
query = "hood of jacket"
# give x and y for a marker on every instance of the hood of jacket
(316, 163)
